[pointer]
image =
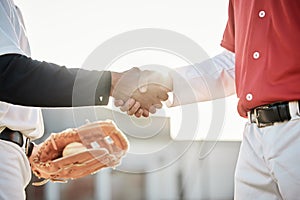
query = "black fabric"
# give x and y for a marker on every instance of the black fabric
(17, 138)
(270, 114)
(28, 82)
(29, 147)
(12, 136)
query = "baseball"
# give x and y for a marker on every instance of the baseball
(74, 147)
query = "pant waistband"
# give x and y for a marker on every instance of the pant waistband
(17, 138)
(267, 115)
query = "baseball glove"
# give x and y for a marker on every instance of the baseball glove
(78, 152)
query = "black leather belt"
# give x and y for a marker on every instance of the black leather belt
(269, 114)
(17, 138)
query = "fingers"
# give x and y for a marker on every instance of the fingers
(150, 89)
(145, 113)
(128, 104)
(163, 96)
(152, 109)
(150, 104)
(134, 108)
(126, 83)
(139, 113)
(118, 103)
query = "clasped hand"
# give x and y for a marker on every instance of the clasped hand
(140, 92)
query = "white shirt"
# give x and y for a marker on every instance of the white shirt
(13, 39)
(209, 80)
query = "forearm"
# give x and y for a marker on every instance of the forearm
(209, 80)
(28, 82)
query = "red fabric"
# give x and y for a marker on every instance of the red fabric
(275, 75)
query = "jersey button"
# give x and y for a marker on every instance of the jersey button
(256, 55)
(249, 97)
(262, 14)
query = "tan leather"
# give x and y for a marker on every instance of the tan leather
(105, 143)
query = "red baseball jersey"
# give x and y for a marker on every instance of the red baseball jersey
(265, 36)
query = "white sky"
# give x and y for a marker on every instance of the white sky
(65, 32)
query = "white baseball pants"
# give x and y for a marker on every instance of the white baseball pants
(15, 172)
(268, 166)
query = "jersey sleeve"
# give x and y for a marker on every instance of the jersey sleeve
(28, 82)
(205, 81)
(228, 41)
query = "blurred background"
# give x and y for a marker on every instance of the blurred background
(159, 164)
(156, 167)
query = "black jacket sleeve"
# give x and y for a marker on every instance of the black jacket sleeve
(28, 82)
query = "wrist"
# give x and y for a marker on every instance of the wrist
(115, 77)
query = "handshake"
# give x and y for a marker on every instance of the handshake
(139, 92)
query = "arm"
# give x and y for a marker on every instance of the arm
(209, 80)
(32, 83)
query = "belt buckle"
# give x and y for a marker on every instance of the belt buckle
(254, 118)
(259, 125)
(251, 116)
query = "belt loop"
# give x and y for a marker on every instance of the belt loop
(249, 117)
(28, 147)
(294, 109)
(256, 117)
(2, 129)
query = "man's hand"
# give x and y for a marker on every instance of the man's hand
(124, 84)
(140, 92)
(132, 107)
